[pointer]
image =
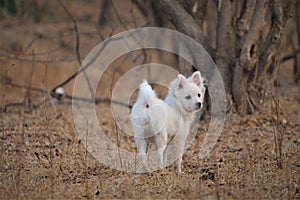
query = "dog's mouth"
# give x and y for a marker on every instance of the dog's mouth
(197, 109)
(194, 109)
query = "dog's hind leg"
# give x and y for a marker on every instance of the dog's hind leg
(165, 157)
(160, 143)
(141, 146)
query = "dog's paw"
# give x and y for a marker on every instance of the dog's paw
(180, 172)
(142, 174)
(146, 171)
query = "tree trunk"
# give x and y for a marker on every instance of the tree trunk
(249, 41)
(248, 57)
(225, 51)
(269, 59)
(184, 23)
(297, 60)
(103, 11)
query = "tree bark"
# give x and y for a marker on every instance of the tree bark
(103, 11)
(225, 51)
(269, 59)
(249, 40)
(245, 10)
(185, 23)
(248, 57)
(297, 60)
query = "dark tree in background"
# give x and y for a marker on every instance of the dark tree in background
(249, 39)
(297, 57)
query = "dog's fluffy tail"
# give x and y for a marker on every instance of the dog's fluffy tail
(146, 94)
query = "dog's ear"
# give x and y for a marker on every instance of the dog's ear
(181, 81)
(196, 78)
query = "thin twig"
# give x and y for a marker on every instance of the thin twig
(27, 47)
(28, 93)
(47, 95)
(59, 60)
(291, 55)
(118, 16)
(77, 45)
(140, 7)
(21, 86)
(86, 157)
(279, 142)
(70, 78)
(2, 116)
(216, 180)
(87, 65)
(116, 127)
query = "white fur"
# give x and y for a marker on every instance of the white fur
(157, 120)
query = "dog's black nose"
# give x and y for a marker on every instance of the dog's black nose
(198, 105)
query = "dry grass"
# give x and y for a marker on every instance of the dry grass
(41, 157)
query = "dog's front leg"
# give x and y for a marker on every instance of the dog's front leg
(160, 143)
(179, 150)
(177, 163)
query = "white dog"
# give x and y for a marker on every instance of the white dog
(168, 120)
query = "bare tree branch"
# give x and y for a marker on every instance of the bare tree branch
(22, 86)
(291, 55)
(77, 46)
(47, 95)
(118, 15)
(59, 60)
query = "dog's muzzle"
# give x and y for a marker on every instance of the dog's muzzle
(198, 105)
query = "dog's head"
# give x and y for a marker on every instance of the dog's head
(190, 92)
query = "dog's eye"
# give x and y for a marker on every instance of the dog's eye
(188, 97)
(199, 95)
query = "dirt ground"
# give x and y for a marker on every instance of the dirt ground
(42, 156)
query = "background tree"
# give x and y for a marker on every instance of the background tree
(249, 40)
